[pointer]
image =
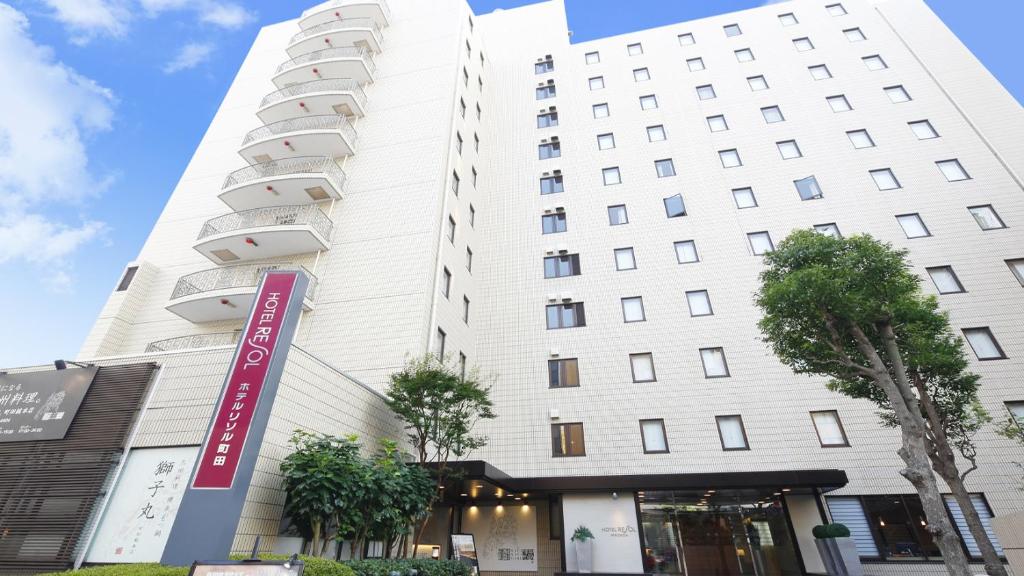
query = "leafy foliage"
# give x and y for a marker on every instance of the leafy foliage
(582, 534)
(126, 570)
(422, 566)
(314, 566)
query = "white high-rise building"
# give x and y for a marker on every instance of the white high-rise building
(584, 222)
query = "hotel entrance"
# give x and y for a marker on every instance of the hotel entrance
(717, 533)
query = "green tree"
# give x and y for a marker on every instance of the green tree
(402, 496)
(851, 309)
(439, 407)
(1012, 429)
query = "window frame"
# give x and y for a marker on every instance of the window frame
(649, 98)
(874, 58)
(723, 154)
(696, 254)
(839, 424)
(1012, 264)
(556, 435)
(743, 430)
(579, 313)
(615, 257)
(891, 174)
(643, 311)
(750, 242)
(690, 62)
(556, 217)
(632, 369)
(605, 172)
(665, 162)
(657, 127)
(664, 436)
(602, 139)
(757, 77)
(572, 261)
(707, 298)
(724, 126)
(558, 362)
(772, 108)
(838, 98)
(987, 330)
(752, 197)
(865, 133)
(789, 145)
(897, 89)
(798, 42)
(952, 273)
(625, 212)
(917, 215)
(600, 106)
(705, 89)
(557, 184)
(959, 166)
(926, 122)
(725, 363)
(682, 202)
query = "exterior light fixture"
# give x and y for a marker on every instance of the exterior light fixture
(252, 242)
(288, 145)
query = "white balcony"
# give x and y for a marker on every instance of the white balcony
(358, 32)
(339, 9)
(264, 233)
(327, 64)
(315, 98)
(330, 135)
(224, 293)
(288, 182)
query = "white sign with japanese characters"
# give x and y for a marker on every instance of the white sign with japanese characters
(506, 537)
(141, 512)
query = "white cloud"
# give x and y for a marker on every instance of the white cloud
(226, 15)
(86, 19)
(189, 56)
(44, 165)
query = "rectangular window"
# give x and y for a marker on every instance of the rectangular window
(913, 226)
(788, 19)
(923, 130)
(617, 215)
(686, 39)
(885, 179)
(730, 158)
(897, 94)
(624, 259)
(592, 57)
(854, 35)
(713, 360)
(545, 92)
(600, 110)
(819, 72)
(642, 366)
(563, 373)
(984, 343)
(475, 175)
(1016, 410)
(565, 315)
(835, 10)
(476, 142)
(952, 170)
(732, 30)
(757, 83)
(462, 365)
(551, 185)
(567, 440)
(562, 266)
(808, 188)
(760, 243)
(744, 55)
(699, 303)
(469, 259)
(553, 223)
(898, 522)
(860, 139)
(126, 279)
(465, 309)
(544, 67)
(479, 111)
(664, 168)
(648, 102)
(839, 103)
(772, 114)
(848, 511)
(458, 142)
(874, 62)
(472, 216)
(706, 92)
(695, 64)
(1017, 267)
(652, 433)
(641, 75)
(611, 176)
(717, 123)
(605, 141)
(830, 229)
(547, 119)
(633, 309)
(789, 149)
(549, 150)
(596, 83)
(455, 182)
(674, 206)
(446, 283)
(803, 44)
(686, 252)
(829, 428)
(634, 49)
(451, 229)
(985, 514)
(744, 198)
(731, 432)
(441, 338)
(656, 133)
(945, 280)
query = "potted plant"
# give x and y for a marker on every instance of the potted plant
(582, 539)
(838, 551)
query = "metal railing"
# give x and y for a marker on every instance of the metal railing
(301, 215)
(300, 165)
(341, 4)
(243, 276)
(326, 122)
(328, 85)
(194, 341)
(345, 24)
(328, 54)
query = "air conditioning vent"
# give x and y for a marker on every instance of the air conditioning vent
(552, 108)
(317, 193)
(225, 255)
(557, 172)
(554, 138)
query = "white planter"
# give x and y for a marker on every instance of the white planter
(840, 556)
(584, 555)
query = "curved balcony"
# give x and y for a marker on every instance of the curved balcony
(264, 233)
(319, 97)
(290, 182)
(359, 32)
(338, 9)
(330, 63)
(330, 135)
(225, 293)
(193, 342)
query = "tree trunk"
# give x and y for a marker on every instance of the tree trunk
(913, 452)
(316, 537)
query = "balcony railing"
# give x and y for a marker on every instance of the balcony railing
(329, 85)
(285, 167)
(340, 3)
(303, 215)
(329, 53)
(345, 24)
(327, 122)
(194, 341)
(228, 277)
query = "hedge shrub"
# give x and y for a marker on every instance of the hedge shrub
(835, 530)
(404, 567)
(126, 570)
(314, 566)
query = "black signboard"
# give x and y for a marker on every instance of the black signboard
(41, 405)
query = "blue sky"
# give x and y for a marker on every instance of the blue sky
(104, 101)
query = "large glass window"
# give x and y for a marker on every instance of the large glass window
(731, 432)
(551, 185)
(563, 373)
(829, 428)
(561, 266)
(567, 440)
(553, 223)
(984, 343)
(653, 434)
(565, 315)
(642, 366)
(549, 150)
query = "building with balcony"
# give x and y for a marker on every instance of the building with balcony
(585, 222)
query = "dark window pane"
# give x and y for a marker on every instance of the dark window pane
(674, 206)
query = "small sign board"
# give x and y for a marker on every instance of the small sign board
(464, 550)
(41, 405)
(247, 568)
